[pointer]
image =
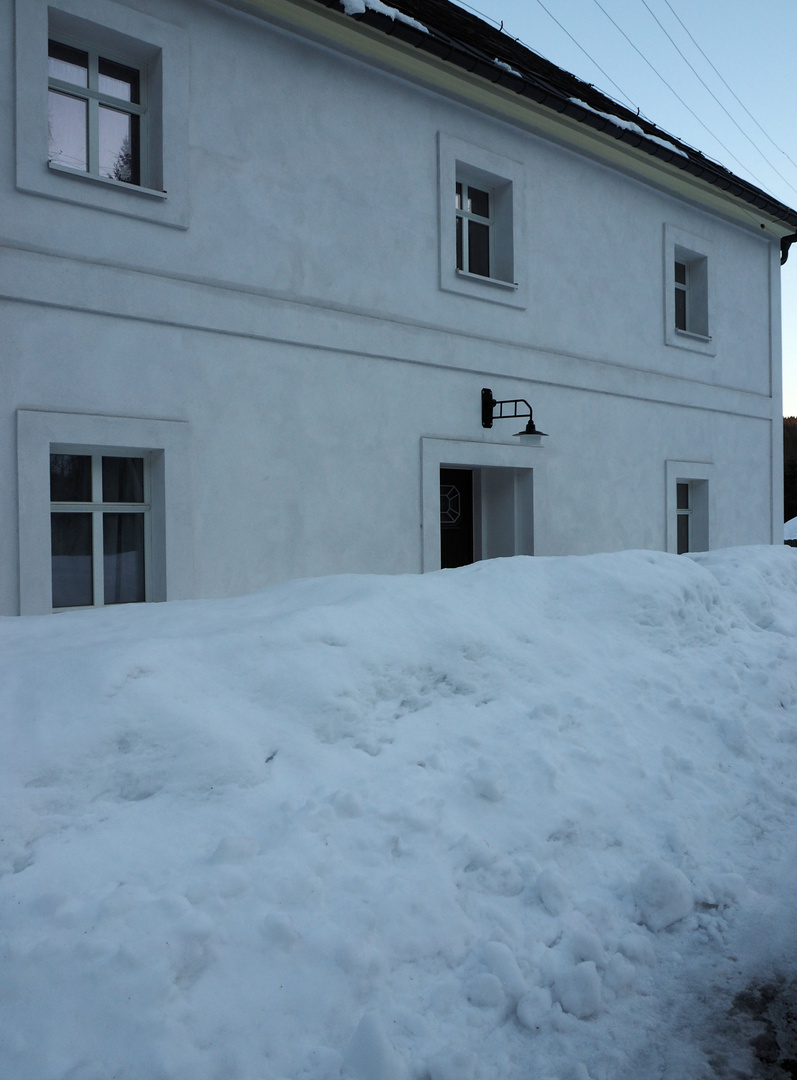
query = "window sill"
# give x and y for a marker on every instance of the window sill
(135, 189)
(487, 280)
(690, 336)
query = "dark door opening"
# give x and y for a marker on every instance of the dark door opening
(456, 517)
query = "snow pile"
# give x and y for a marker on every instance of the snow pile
(530, 818)
(790, 529)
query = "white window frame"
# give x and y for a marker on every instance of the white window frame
(695, 254)
(698, 475)
(97, 508)
(94, 98)
(503, 180)
(159, 51)
(165, 444)
(509, 488)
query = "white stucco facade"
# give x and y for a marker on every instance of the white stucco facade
(284, 335)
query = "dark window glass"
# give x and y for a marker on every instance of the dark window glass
(123, 558)
(680, 309)
(460, 257)
(122, 480)
(479, 248)
(70, 478)
(71, 560)
(680, 273)
(67, 64)
(683, 533)
(458, 199)
(68, 130)
(118, 81)
(682, 496)
(118, 145)
(479, 202)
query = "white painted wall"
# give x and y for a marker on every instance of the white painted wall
(296, 324)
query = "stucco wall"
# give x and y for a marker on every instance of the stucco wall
(298, 326)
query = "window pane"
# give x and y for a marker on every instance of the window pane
(458, 198)
(460, 259)
(123, 479)
(118, 81)
(70, 478)
(479, 248)
(118, 145)
(680, 273)
(70, 65)
(71, 560)
(683, 533)
(680, 309)
(682, 496)
(479, 202)
(68, 118)
(123, 558)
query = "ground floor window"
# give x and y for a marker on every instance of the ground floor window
(99, 529)
(688, 505)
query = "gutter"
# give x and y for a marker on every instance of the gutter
(785, 243)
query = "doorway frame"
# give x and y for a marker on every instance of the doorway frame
(437, 453)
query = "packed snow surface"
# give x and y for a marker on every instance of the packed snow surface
(533, 819)
(790, 529)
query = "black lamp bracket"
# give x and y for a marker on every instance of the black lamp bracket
(489, 405)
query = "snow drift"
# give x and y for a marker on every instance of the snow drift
(530, 818)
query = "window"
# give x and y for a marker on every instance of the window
(96, 114)
(102, 108)
(95, 524)
(683, 504)
(688, 290)
(99, 529)
(479, 253)
(474, 229)
(691, 293)
(687, 505)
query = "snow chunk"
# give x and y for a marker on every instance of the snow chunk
(663, 895)
(534, 1006)
(370, 1054)
(358, 7)
(553, 891)
(506, 67)
(578, 990)
(628, 125)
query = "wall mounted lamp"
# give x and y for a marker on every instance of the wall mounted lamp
(530, 434)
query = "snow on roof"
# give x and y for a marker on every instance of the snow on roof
(358, 7)
(629, 125)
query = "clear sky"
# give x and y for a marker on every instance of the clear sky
(751, 128)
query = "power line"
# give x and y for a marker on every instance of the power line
(675, 93)
(722, 80)
(581, 47)
(707, 87)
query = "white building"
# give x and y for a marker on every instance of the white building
(259, 261)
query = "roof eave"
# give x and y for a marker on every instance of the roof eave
(459, 71)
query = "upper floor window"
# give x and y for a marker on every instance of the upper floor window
(96, 111)
(474, 229)
(480, 253)
(689, 291)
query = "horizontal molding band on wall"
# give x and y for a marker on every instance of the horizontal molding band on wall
(38, 277)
